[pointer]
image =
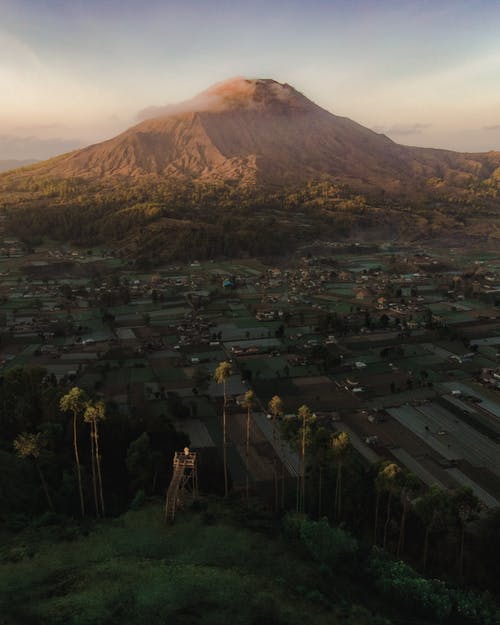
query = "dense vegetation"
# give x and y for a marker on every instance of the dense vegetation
(151, 220)
(37, 449)
(218, 563)
(67, 560)
(135, 569)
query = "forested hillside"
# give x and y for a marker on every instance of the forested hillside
(153, 220)
(251, 166)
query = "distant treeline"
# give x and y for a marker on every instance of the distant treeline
(152, 220)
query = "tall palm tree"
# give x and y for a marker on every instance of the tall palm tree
(221, 375)
(248, 403)
(276, 409)
(74, 402)
(319, 456)
(340, 448)
(306, 417)
(465, 507)
(434, 509)
(87, 417)
(379, 488)
(30, 446)
(409, 488)
(95, 412)
(391, 480)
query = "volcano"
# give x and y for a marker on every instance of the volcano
(262, 132)
(251, 166)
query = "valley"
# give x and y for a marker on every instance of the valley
(306, 307)
(395, 345)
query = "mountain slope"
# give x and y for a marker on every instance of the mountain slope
(252, 167)
(261, 131)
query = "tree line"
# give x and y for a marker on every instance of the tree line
(446, 532)
(153, 220)
(68, 453)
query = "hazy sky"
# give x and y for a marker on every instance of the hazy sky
(76, 71)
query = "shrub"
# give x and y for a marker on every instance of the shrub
(429, 597)
(326, 544)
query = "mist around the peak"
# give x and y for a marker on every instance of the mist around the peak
(238, 92)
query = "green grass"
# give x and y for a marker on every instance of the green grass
(136, 569)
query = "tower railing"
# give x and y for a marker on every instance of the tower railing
(184, 482)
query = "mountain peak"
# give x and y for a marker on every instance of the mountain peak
(236, 94)
(253, 93)
(257, 131)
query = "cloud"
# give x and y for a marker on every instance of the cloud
(212, 98)
(403, 129)
(32, 147)
(495, 127)
(223, 95)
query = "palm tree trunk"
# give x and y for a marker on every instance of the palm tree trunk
(98, 463)
(339, 496)
(336, 495)
(282, 485)
(94, 479)
(303, 468)
(387, 519)
(320, 491)
(78, 470)
(44, 486)
(461, 555)
(426, 547)
(247, 452)
(298, 492)
(375, 525)
(402, 530)
(275, 480)
(224, 443)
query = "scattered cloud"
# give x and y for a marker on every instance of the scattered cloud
(403, 129)
(209, 99)
(220, 96)
(495, 127)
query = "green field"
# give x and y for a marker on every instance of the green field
(205, 569)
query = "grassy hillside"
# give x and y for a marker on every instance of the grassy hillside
(218, 564)
(204, 569)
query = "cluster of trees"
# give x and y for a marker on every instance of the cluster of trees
(333, 481)
(315, 446)
(64, 452)
(398, 584)
(31, 445)
(67, 453)
(157, 219)
(452, 526)
(79, 405)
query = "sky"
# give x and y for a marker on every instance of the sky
(74, 72)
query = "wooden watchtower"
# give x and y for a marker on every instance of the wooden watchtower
(184, 482)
